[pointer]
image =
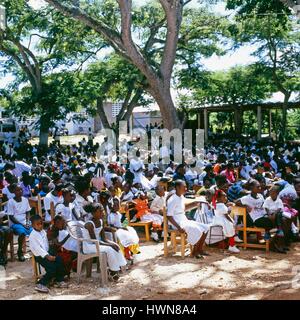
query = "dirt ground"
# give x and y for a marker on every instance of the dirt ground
(252, 274)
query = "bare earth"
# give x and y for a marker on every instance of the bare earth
(250, 275)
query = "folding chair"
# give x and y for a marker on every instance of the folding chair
(204, 219)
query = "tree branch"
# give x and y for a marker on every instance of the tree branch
(173, 12)
(75, 12)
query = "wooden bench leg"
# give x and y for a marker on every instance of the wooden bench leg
(267, 246)
(166, 251)
(12, 249)
(245, 238)
(182, 243)
(147, 233)
(191, 250)
(174, 242)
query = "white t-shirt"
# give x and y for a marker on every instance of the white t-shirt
(20, 166)
(18, 209)
(47, 201)
(157, 204)
(108, 178)
(221, 210)
(114, 219)
(176, 208)
(38, 243)
(127, 197)
(272, 205)
(256, 205)
(6, 191)
(78, 205)
(65, 212)
(70, 244)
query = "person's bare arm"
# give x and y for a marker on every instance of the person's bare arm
(90, 228)
(191, 205)
(228, 217)
(175, 224)
(14, 220)
(106, 242)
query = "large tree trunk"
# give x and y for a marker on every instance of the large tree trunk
(167, 108)
(122, 42)
(102, 114)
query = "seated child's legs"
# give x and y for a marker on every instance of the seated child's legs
(54, 270)
(18, 229)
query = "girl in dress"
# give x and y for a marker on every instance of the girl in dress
(61, 244)
(67, 208)
(196, 232)
(223, 218)
(94, 230)
(126, 236)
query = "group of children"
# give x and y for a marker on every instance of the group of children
(104, 198)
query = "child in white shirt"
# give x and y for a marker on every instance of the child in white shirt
(18, 210)
(39, 247)
(274, 208)
(126, 236)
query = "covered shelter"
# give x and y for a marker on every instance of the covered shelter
(203, 112)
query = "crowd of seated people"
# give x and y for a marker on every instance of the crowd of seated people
(262, 177)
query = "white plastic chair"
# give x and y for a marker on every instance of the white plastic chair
(75, 230)
(202, 218)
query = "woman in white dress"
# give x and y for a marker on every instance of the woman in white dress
(127, 236)
(196, 231)
(93, 229)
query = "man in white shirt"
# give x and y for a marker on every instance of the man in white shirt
(196, 231)
(39, 246)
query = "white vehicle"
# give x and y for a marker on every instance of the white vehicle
(8, 130)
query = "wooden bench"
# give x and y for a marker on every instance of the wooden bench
(240, 211)
(146, 225)
(10, 250)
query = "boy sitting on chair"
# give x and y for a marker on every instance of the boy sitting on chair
(18, 210)
(53, 265)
